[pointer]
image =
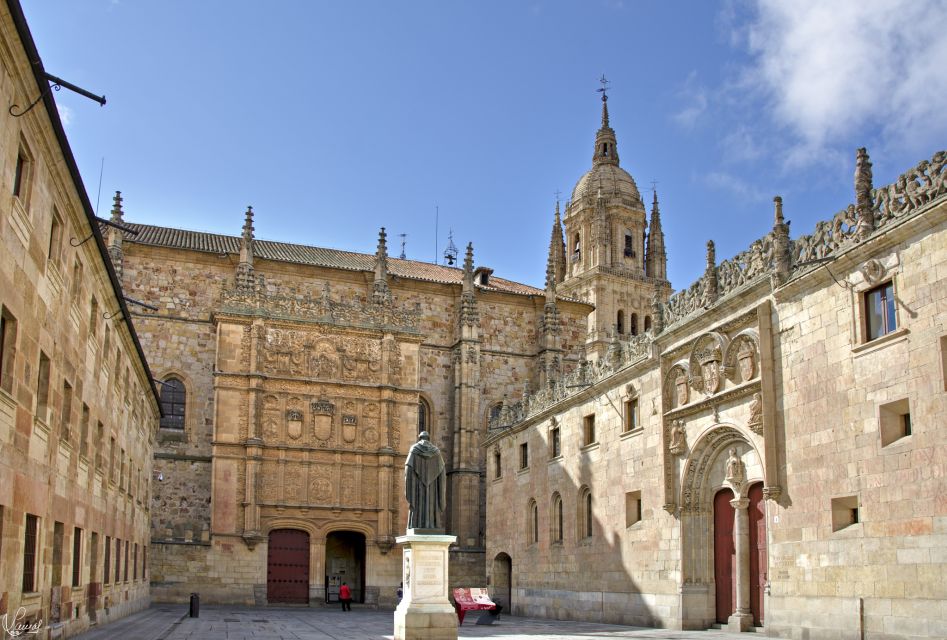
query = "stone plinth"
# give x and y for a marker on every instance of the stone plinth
(425, 613)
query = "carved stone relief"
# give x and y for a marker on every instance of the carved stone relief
(370, 424)
(320, 484)
(677, 441)
(271, 418)
(755, 421)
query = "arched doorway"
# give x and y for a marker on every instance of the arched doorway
(345, 562)
(758, 562)
(287, 567)
(724, 565)
(503, 581)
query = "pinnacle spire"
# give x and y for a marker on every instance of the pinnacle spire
(380, 291)
(248, 225)
(117, 212)
(655, 256)
(245, 278)
(468, 268)
(778, 207)
(556, 261)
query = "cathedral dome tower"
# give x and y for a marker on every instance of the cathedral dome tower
(606, 238)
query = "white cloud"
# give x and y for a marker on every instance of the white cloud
(65, 114)
(695, 96)
(827, 69)
(740, 145)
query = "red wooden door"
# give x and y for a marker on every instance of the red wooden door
(287, 567)
(724, 561)
(758, 562)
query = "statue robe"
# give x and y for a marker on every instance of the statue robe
(425, 486)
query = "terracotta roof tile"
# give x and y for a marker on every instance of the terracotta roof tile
(317, 256)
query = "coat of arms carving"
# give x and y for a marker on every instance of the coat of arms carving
(680, 383)
(294, 423)
(746, 358)
(322, 412)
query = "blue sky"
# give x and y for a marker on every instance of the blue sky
(335, 118)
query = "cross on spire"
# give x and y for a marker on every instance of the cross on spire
(558, 193)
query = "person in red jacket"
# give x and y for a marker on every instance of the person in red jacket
(345, 597)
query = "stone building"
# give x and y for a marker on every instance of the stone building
(294, 381)
(770, 454)
(78, 410)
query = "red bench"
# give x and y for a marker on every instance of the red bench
(474, 599)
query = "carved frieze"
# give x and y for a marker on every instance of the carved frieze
(320, 484)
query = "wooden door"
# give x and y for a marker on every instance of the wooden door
(287, 567)
(758, 561)
(724, 560)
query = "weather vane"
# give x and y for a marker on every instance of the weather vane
(604, 81)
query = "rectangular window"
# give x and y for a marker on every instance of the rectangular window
(65, 424)
(7, 349)
(631, 414)
(135, 563)
(93, 316)
(632, 508)
(21, 174)
(880, 316)
(112, 461)
(894, 421)
(629, 246)
(107, 571)
(99, 443)
(555, 445)
(29, 553)
(121, 477)
(844, 512)
(84, 432)
(58, 533)
(144, 562)
(76, 557)
(42, 389)
(54, 252)
(76, 284)
(524, 455)
(589, 429)
(118, 560)
(127, 544)
(93, 557)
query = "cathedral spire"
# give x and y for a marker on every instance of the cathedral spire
(655, 255)
(468, 269)
(606, 145)
(556, 261)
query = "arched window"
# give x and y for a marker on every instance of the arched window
(633, 325)
(629, 249)
(424, 416)
(532, 522)
(620, 325)
(557, 518)
(647, 323)
(576, 252)
(173, 403)
(585, 513)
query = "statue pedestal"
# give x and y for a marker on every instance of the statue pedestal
(425, 613)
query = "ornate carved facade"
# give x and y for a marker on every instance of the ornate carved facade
(741, 468)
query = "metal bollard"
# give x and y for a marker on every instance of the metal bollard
(195, 610)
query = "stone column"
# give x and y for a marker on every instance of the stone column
(742, 618)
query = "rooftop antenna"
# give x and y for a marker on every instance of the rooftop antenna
(437, 214)
(99, 195)
(450, 253)
(402, 236)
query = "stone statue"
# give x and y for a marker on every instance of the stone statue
(678, 438)
(425, 485)
(736, 472)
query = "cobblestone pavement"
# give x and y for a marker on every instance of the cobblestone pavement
(170, 622)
